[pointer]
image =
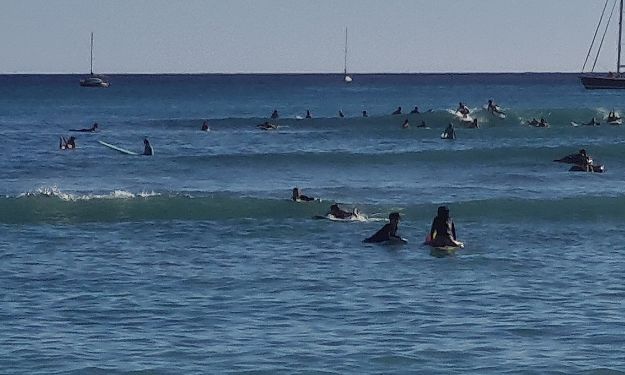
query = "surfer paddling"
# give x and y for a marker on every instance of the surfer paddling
(388, 231)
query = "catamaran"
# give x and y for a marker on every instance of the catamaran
(346, 76)
(93, 80)
(611, 80)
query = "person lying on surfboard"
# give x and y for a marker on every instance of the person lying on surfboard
(147, 148)
(92, 129)
(298, 197)
(336, 211)
(67, 144)
(388, 231)
(443, 230)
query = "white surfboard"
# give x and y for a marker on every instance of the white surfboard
(118, 149)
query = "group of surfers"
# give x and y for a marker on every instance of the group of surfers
(581, 162)
(70, 143)
(442, 231)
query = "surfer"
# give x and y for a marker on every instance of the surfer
(422, 125)
(592, 122)
(336, 211)
(543, 123)
(612, 117)
(443, 230)
(341, 115)
(534, 122)
(298, 197)
(267, 126)
(405, 125)
(147, 148)
(308, 114)
(364, 114)
(388, 231)
(415, 110)
(205, 126)
(449, 132)
(92, 129)
(274, 114)
(473, 125)
(397, 111)
(463, 109)
(67, 144)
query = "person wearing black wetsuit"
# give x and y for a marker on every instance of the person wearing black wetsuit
(450, 132)
(415, 110)
(297, 197)
(92, 129)
(397, 111)
(205, 126)
(443, 230)
(388, 231)
(147, 148)
(364, 114)
(274, 114)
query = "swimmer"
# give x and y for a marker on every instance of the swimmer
(205, 127)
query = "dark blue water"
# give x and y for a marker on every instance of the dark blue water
(195, 260)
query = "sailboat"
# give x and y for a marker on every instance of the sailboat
(93, 80)
(593, 81)
(346, 76)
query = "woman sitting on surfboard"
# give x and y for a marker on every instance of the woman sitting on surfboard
(443, 230)
(388, 231)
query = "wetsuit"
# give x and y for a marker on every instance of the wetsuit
(303, 198)
(385, 234)
(147, 150)
(445, 231)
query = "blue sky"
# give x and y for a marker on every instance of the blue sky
(229, 36)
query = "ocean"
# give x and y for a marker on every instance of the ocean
(195, 260)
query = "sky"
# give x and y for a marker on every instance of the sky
(300, 36)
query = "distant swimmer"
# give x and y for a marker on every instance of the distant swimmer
(422, 125)
(341, 115)
(449, 132)
(338, 213)
(443, 230)
(473, 125)
(205, 126)
(308, 114)
(592, 122)
(415, 110)
(298, 197)
(67, 144)
(405, 125)
(388, 231)
(147, 148)
(613, 118)
(542, 123)
(267, 126)
(92, 129)
(397, 111)
(274, 114)
(534, 122)
(364, 114)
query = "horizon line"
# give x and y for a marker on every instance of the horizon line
(298, 73)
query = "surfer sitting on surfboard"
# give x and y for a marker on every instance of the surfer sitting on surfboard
(397, 111)
(341, 214)
(388, 231)
(205, 126)
(92, 129)
(67, 144)
(463, 109)
(147, 148)
(449, 132)
(415, 111)
(298, 197)
(443, 230)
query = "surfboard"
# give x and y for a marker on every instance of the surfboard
(118, 149)
(428, 241)
(395, 242)
(616, 122)
(460, 116)
(358, 217)
(498, 112)
(573, 123)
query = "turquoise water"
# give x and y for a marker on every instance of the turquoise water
(196, 261)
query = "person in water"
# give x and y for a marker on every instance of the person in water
(92, 129)
(592, 122)
(449, 132)
(543, 123)
(534, 122)
(397, 111)
(388, 231)
(267, 126)
(338, 213)
(308, 114)
(205, 127)
(67, 144)
(406, 124)
(364, 114)
(298, 197)
(415, 110)
(422, 125)
(473, 125)
(463, 109)
(274, 114)
(613, 117)
(443, 230)
(341, 115)
(147, 148)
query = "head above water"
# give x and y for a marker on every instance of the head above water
(443, 211)
(394, 216)
(145, 141)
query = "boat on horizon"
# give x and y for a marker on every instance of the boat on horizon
(593, 81)
(93, 80)
(346, 76)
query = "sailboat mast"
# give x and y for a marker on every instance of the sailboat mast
(91, 53)
(620, 34)
(345, 62)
